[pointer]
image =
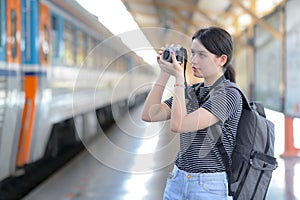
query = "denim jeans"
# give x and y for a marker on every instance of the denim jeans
(196, 186)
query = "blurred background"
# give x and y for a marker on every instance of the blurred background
(74, 75)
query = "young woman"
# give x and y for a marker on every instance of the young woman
(199, 172)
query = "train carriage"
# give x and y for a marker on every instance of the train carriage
(59, 66)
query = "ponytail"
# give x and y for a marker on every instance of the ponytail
(229, 73)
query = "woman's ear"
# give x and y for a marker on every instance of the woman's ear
(222, 59)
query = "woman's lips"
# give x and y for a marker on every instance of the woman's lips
(194, 69)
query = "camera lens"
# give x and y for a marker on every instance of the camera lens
(166, 55)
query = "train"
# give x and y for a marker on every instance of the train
(59, 65)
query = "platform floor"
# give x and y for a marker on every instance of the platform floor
(132, 159)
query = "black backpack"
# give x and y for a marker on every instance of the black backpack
(253, 161)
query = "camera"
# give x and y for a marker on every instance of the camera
(180, 52)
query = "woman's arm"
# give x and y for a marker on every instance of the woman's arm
(154, 109)
(183, 122)
(180, 120)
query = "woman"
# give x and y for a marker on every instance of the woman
(199, 172)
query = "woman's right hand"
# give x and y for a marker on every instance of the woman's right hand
(160, 52)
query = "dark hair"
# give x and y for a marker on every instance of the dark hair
(218, 41)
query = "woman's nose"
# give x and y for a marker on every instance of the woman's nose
(192, 60)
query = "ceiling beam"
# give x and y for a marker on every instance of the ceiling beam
(276, 34)
(186, 7)
(182, 17)
(195, 8)
(179, 18)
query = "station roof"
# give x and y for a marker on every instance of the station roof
(186, 16)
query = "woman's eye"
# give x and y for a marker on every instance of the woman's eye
(199, 54)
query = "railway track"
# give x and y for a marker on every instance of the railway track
(16, 187)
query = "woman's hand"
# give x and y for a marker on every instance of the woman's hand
(173, 68)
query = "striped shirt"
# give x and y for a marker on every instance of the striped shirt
(198, 152)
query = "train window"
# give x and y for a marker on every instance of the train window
(90, 52)
(45, 43)
(116, 63)
(69, 55)
(54, 42)
(120, 64)
(123, 66)
(96, 53)
(100, 56)
(13, 36)
(107, 56)
(54, 23)
(81, 48)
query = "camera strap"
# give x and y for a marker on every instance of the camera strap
(184, 67)
(187, 93)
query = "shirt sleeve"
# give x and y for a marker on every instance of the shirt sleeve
(169, 101)
(223, 103)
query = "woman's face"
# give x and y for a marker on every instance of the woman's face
(204, 64)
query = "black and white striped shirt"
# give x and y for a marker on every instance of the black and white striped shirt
(198, 152)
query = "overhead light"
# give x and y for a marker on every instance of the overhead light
(244, 20)
(263, 6)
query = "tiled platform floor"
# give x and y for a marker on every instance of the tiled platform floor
(131, 162)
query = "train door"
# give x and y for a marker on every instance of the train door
(42, 124)
(35, 59)
(31, 72)
(11, 93)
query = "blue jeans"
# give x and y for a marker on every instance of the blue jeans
(196, 186)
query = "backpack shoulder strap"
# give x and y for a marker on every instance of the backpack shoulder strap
(219, 144)
(225, 159)
(246, 104)
(251, 106)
